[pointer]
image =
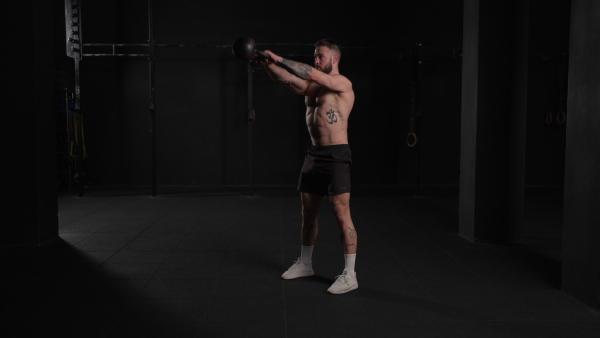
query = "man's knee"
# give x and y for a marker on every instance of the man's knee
(341, 213)
(340, 206)
(309, 214)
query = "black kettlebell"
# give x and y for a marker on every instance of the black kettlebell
(244, 48)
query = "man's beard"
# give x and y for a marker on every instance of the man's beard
(327, 69)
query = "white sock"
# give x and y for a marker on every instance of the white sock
(306, 253)
(350, 259)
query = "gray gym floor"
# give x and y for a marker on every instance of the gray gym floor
(209, 265)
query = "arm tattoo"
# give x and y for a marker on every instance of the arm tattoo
(348, 244)
(352, 233)
(301, 70)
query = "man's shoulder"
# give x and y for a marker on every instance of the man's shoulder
(345, 79)
(340, 76)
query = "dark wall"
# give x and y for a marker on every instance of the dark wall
(493, 120)
(547, 92)
(201, 93)
(581, 234)
(28, 137)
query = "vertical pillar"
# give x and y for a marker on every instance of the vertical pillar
(493, 117)
(581, 220)
(28, 173)
(151, 77)
(251, 116)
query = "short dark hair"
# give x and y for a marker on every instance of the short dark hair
(331, 44)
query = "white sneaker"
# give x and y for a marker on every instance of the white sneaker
(298, 269)
(344, 283)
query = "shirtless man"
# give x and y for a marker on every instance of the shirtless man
(326, 170)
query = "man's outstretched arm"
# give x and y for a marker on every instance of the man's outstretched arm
(305, 72)
(301, 70)
(285, 75)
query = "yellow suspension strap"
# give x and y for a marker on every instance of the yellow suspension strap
(77, 123)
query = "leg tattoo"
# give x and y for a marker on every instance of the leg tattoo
(345, 243)
(351, 233)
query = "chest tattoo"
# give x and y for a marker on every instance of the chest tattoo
(331, 118)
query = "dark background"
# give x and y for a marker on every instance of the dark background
(203, 133)
(201, 92)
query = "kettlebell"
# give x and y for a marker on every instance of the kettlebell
(244, 48)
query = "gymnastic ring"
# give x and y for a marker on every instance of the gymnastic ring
(548, 118)
(414, 137)
(561, 117)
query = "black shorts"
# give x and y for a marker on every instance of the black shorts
(326, 170)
